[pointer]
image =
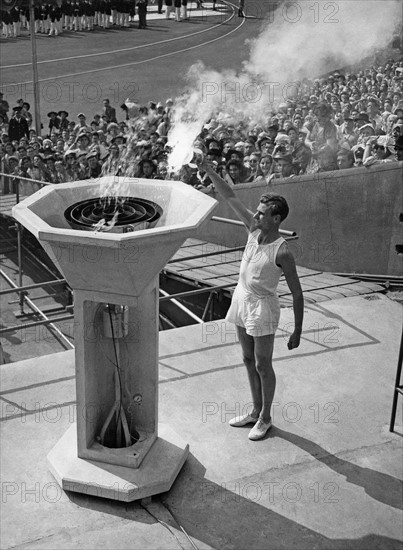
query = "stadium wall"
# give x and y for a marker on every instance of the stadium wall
(347, 221)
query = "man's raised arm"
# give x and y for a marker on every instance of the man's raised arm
(227, 192)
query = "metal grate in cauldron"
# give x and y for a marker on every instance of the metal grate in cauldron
(116, 214)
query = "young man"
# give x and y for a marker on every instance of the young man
(18, 125)
(255, 308)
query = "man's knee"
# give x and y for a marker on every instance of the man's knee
(264, 367)
(249, 360)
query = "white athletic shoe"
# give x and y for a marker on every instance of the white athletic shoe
(242, 420)
(259, 430)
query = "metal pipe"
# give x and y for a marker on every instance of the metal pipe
(17, 190)
(236, 222)
(35, 308)
(21, 178)
(182, 307)
(36, 323)
(40, 297)
(19, 261)
(34, 67)
(29, 287)
(370, 276)
(166, 320)
(210, 297)
(197, 291)
(27, 251)
(226, 251)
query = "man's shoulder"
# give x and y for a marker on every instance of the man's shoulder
(283, 250)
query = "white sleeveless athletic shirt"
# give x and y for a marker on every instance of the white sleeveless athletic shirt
(255, 305)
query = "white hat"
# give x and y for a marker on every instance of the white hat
(282, 137)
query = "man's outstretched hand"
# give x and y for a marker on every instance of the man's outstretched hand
(294, 340)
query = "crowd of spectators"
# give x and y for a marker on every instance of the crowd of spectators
(54, 18)
(337, 122)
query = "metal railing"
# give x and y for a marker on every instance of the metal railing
(22, 290)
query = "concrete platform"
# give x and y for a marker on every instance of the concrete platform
(155, 475)
(328, 475)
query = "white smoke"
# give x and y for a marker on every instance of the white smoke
(325, 35)
(301, 40)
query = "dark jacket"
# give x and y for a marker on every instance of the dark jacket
(18, 128)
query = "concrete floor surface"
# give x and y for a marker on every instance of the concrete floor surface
(328, 474)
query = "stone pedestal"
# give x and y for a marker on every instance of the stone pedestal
(155, 475)
(116, 366)
(137, 355)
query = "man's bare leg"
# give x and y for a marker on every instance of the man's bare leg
(263, 360)
(248, 355)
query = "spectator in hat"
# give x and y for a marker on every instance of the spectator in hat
(9, 151)
(96, 122)
(397, 131)
(54, 121)
(283, 167)
(112, 163)
(97, 145)
(348, 132)
(112, 131)
(64, 120)
(25, 112)
(324, 131)
(163, 126)
(21, 150)
(103, 123)
(60, 147)
(361, 119)
(120, 140)
(82, 124)
(109, 111)
(47, 148)
(94, 168)
(365, 132)
(82, 143)
(24, 165)
(38, 170)
(301, 153)
(215, 144)
(233, 154)
(18, 125)
(378, 150)
(13, 170)
(82, 163)
(265, 144)
(70, 167)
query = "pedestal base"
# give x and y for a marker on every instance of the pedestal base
(156, 473)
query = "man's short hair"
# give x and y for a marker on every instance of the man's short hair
(281, 206)
(349, 155)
